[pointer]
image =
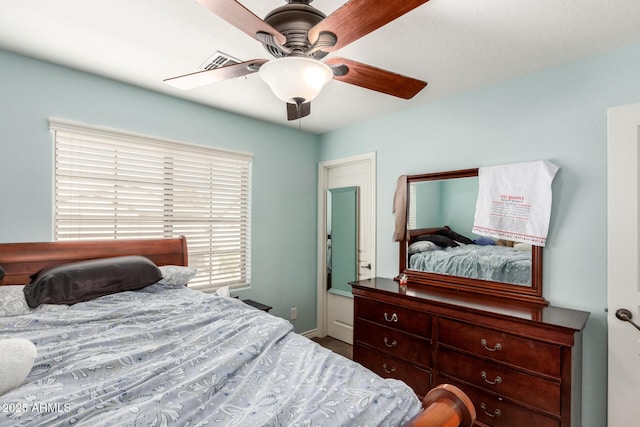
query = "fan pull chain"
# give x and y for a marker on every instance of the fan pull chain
(299, 102)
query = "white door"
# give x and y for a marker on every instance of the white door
(335, 306)
(623, 280)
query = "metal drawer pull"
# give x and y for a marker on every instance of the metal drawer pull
(393, 318)
(393, 343)
(496, 347)
(495, 413)
(497, 380)
(388, 371)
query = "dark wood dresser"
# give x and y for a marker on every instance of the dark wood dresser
(519, 364)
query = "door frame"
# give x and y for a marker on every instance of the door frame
(623, 378)
(323, 174)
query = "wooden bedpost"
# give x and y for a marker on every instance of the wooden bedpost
(445, 406)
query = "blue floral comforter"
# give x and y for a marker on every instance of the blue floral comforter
(178, 357)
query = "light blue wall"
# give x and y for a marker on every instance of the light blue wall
(459, 204)
(450, 202)
(428, 213)
(283, 228)
(558, 114)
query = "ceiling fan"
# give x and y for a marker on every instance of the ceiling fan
(299, 36)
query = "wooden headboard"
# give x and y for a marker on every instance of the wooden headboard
(21, 260)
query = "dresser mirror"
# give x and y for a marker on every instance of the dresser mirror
(439, 248)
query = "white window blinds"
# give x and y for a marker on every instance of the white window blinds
(111, 184)
(411, 216)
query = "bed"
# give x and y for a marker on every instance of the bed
(156, 353)
(443, 251)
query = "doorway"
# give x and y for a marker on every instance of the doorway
(355, 178)
(623, 276)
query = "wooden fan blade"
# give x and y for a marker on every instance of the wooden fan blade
(201, 78)
(294, 114)
(357, 18)
(242, 18)
(370, 77)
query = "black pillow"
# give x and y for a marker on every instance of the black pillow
(455, 236)
(1, 273)
(86, 280)
(442, 241)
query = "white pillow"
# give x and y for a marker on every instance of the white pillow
(176, 275)
(16, 360)
(12, 301)
(518, 246)
(49, 308)
(223, 291)
(422, 246)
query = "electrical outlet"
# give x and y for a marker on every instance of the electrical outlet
(294, 313)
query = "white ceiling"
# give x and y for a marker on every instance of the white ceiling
(454, 45)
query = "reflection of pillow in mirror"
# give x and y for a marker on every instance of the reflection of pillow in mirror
(518, 246)
(442, 241)
(416, 247)
(484, 241)
(455, 236)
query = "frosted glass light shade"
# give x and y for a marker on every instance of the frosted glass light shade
(294, 77)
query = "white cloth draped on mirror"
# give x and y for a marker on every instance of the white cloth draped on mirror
(514, 201)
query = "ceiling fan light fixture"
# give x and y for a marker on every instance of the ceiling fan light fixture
(295, 77)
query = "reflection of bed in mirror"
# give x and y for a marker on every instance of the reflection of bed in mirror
(442, 250)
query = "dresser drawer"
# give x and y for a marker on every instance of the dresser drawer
(415, 322)
(394, 342)
(497, 412)
(528, 354)
(528, 389)
(389, 367)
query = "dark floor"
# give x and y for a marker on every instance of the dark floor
(336, 346)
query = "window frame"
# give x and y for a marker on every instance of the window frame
(162, 192)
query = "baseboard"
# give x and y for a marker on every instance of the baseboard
(310, 334)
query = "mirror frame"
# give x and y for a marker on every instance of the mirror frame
(516, 293)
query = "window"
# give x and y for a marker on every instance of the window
(111, 184)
